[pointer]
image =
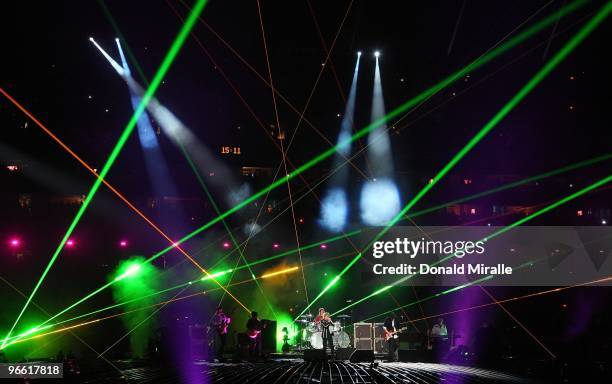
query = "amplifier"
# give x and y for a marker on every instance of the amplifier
(380, 345)
(362, 336)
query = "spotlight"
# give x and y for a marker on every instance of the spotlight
(116, 39)
(380, 202)
(604, 222)
(226, 245)
(275, 245)
(91, 39)
(323, 246)
(123, 243)
(14, 242)
(70, 243)
(376, 53)
(334, 210)
(358, 53)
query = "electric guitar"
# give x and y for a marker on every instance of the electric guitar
(388, 334)
(254, 332)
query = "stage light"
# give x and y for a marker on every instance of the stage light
(112, 62)
(376, 54)
(226, 245)
(123, 243)
(380, 202)
(323, 246)
(334, 210)
(604, 222)
(275, 245)
(334, 205)
(14, 242)
(70, 243)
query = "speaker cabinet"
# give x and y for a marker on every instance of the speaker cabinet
(268, 337)
(362, 336)
(380, 345)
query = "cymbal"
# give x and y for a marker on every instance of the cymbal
(343, 316)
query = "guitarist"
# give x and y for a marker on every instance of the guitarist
(220, 323)
(391, 337)
(254, 333)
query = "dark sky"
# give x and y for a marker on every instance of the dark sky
(51, 67)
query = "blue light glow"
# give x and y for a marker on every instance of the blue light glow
(334, 210)
(380, 202)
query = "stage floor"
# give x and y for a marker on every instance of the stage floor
(280, 371)
(297, 371)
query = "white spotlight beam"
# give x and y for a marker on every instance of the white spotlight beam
(126, 67)
(379, 144)
(115, 65)
(380, 199)
(334, 206)
(344, 137)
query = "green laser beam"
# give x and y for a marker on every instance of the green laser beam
(161, 72)
(492, 123)
(364, 131)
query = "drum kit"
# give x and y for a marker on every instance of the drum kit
(310, 336)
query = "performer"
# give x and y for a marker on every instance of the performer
(254, 333)
(440, 344)
(220, 323)
(439, 329)
(324, 321)
(391, 336)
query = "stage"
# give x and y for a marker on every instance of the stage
(286, 371)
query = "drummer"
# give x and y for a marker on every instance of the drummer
(324, 321)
